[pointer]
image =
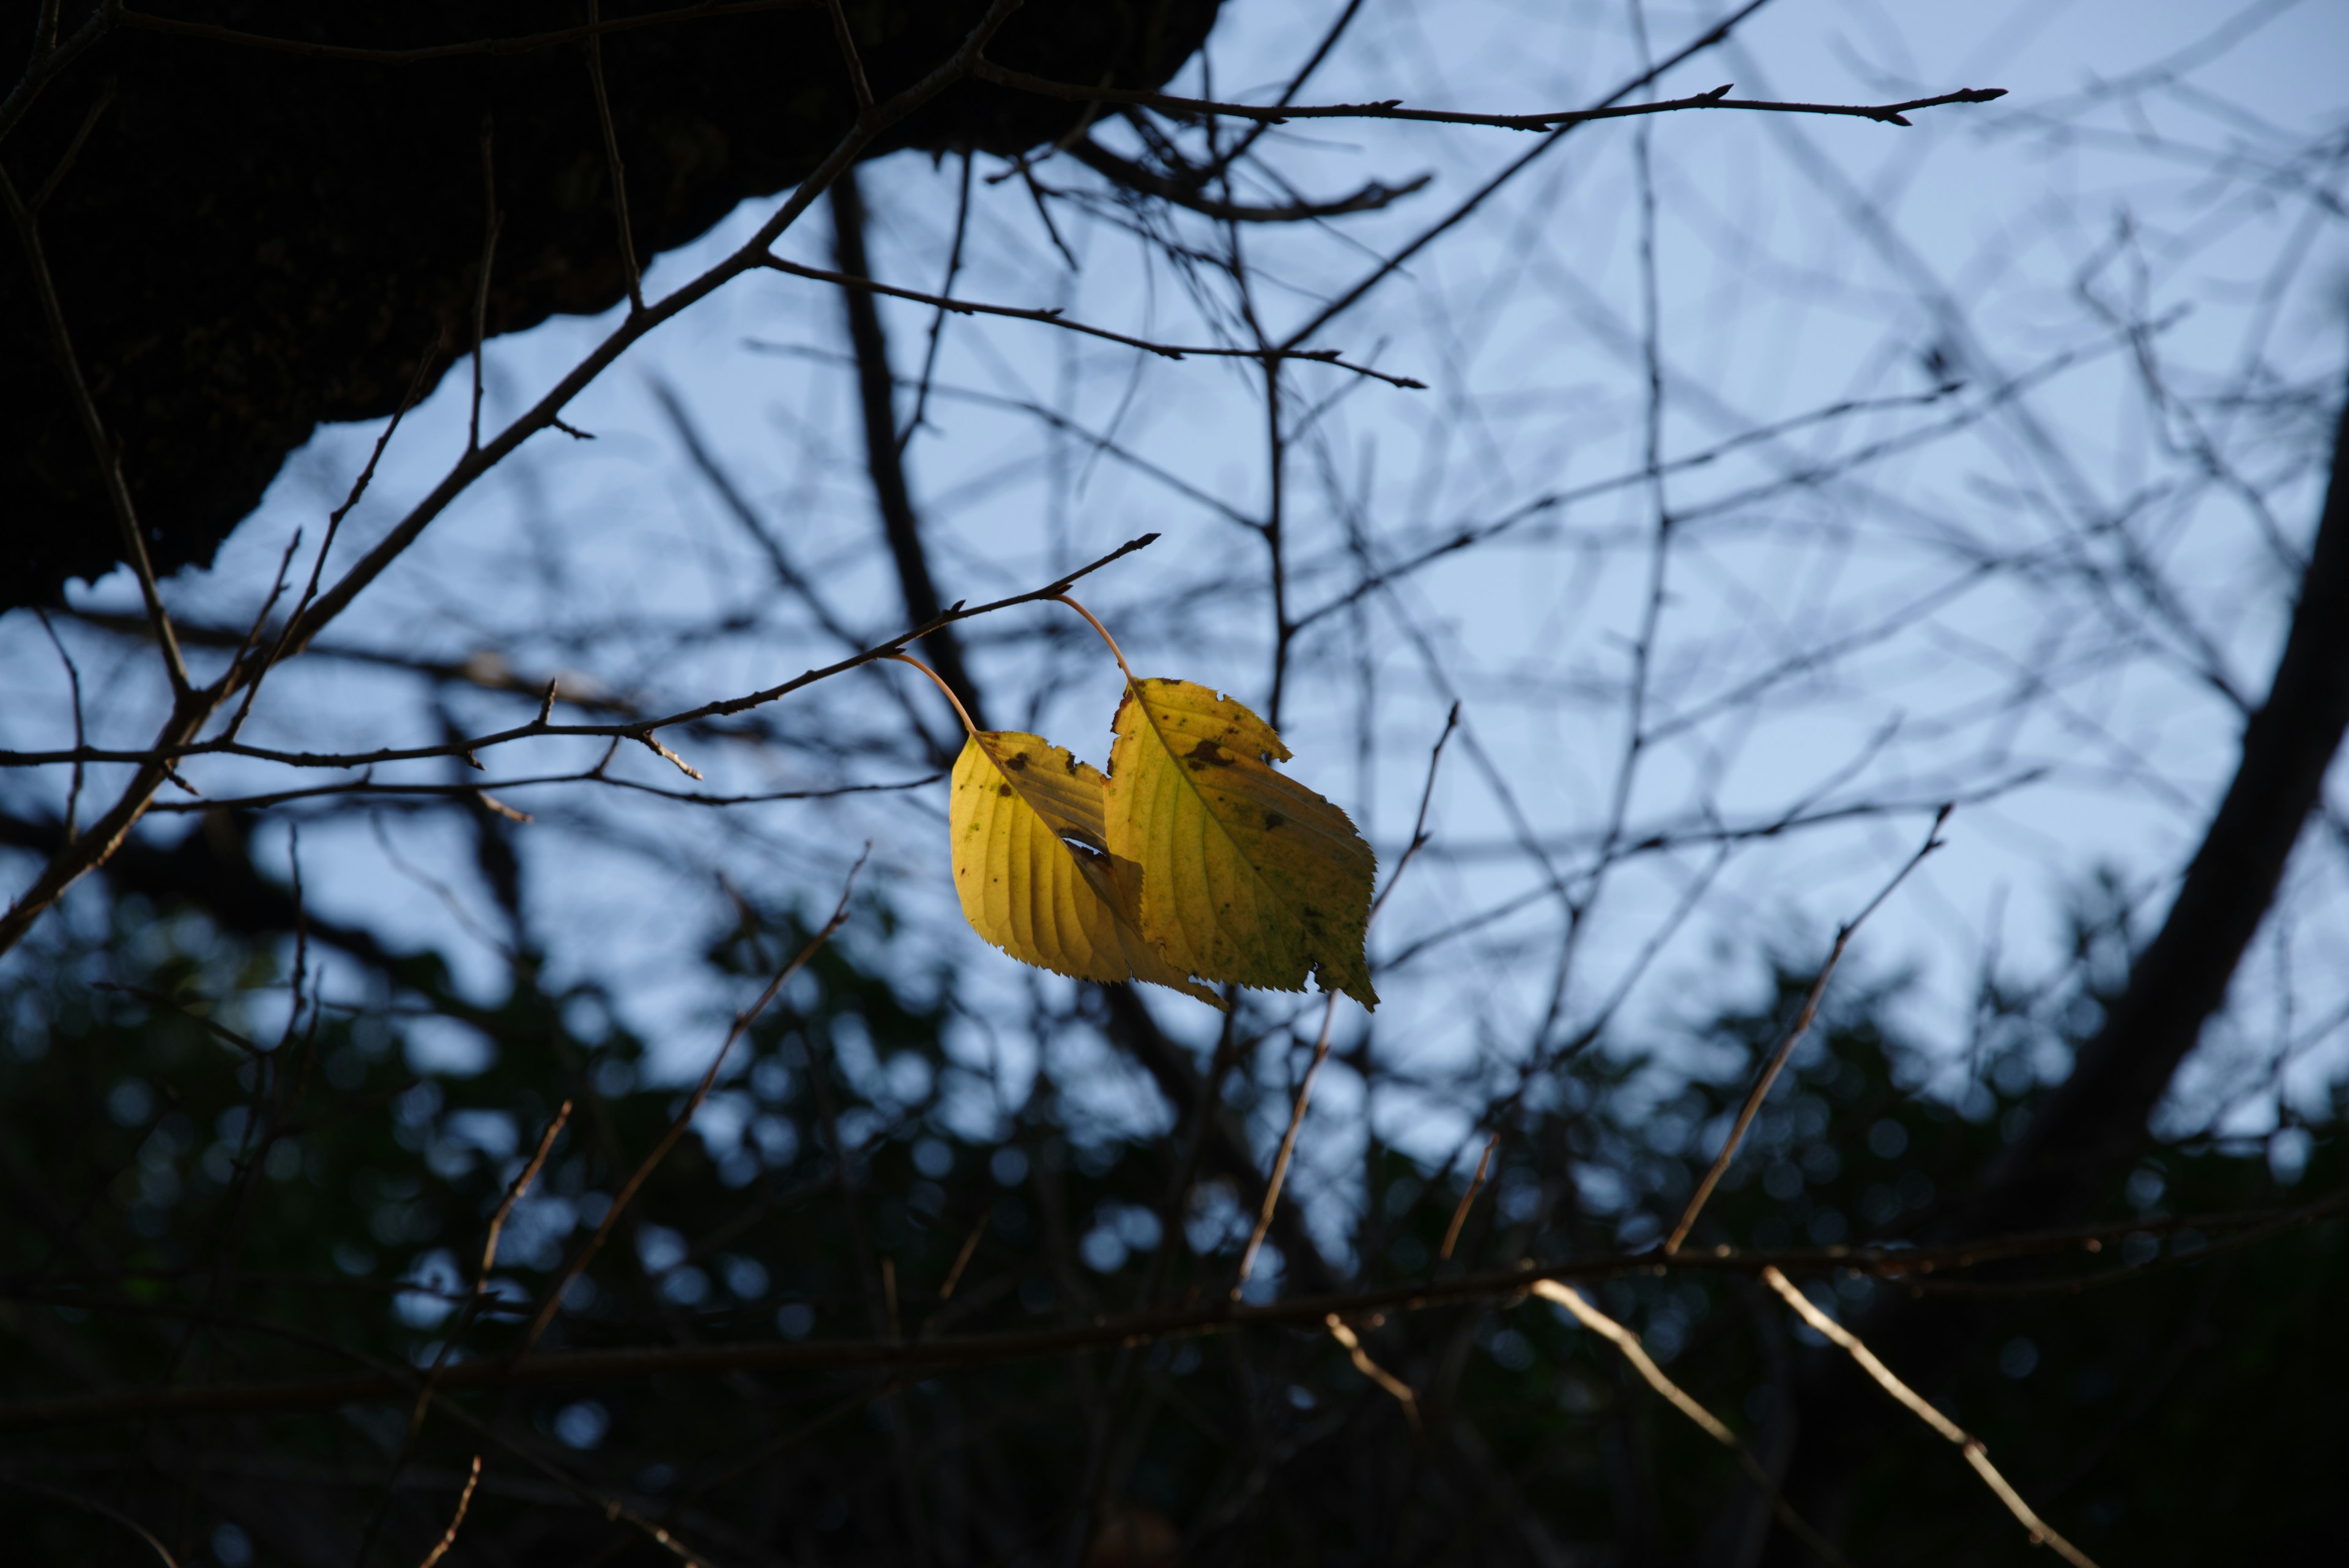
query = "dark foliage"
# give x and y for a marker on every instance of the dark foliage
(205, 1199)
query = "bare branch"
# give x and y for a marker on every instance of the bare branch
(464, 1501)
(684, 1118)
(1628, 1343)
(1052, 317)
(1794, 1037)
(1391, 109)
(2042, 1532)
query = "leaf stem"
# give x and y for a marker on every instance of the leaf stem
(961, 711)
(1115, 651)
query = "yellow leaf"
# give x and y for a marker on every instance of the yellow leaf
(1019, 809)
(1248, 875)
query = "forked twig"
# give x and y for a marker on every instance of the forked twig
(475, 1300)
(1393, 109)
(2042, 1532)
(1794, 1037)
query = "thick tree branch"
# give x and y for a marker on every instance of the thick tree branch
(875, 387)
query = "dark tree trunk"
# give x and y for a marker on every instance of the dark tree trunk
(249, 241)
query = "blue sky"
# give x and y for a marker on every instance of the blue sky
(2032, 601)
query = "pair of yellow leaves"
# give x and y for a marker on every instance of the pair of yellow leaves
(1190, 860)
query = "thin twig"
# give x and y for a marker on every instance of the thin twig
(1129, 175)
(464, 1501)
(1794, 1037)
(1476, 1185)
(416, 385)
(1419, 833)
(73, 679)
(492, 219)
(939, 321)
(847, 41)
(1329, 1013)
(1371, 1369)
(619, 174)
(51, 62)
(594, 775)
(1288, 1147)
(1051, 317)
(73, 149)
(476, 1301)
(1391, 109)
(635, 730)
(2040, 1531)
(963, 1258)
(684, 1118)
(102, 447)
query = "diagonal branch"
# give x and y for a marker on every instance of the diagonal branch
(1794, 1037)
(1636, 1354)
(101, 449)
(684, 1118)
(2042, 1532)
(857, 284)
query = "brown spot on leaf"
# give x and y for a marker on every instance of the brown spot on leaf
(1016, 761)
(1207, 752)
(1273, 819)
(1003, 789)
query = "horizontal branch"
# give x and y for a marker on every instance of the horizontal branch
(1891, 1263)
(1391, 109)
(488, 790)
(1052, 317)
(641, 730)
